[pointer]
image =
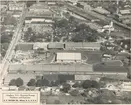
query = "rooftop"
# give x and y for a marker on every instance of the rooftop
(39, 6)
(56, 45)
(68, 56)
(24, 46)
(123, 12)
(100, 67)
(82, 44)
(101, 10)
(51, 67)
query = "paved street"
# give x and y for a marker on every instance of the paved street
(10, 52)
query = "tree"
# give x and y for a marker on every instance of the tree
(129, 72)
(76, 85)
(74, 92)
(5, 38)
(32, 82)
(61, 23)
(39, 83)
(105, 97)
(29, 3)
(54, 83)
(12, 82)
(42, 82)
(29, 35)
(45, 82)
(16, 82)
(57, 102)
(19, 82)
(66, 87)
(90, 84)
(84, 33)
(10, 20)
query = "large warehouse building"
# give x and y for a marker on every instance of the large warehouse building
(68, 57)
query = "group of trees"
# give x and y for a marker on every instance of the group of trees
(42, 82)
(73, 31)
(16, 82)
(31, 36)
(9, 20)
(85, 85)
(84, 34)
(5, 41)
(90, 84)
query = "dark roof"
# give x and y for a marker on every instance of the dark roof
(113, 63)
(55, 45)
(82, 44)
(50, 67)
(105, 68)
(24, 46)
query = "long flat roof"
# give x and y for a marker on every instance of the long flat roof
(68, 56)
(106, 68)
(82, 44)
(51, 67)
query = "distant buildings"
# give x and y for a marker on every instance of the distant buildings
(16, 6)
(125, 12)
(91, 46)
(101, 11)
(3, 8)
(40, 11)
(125, 16)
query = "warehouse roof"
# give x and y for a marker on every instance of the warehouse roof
(123, 12)
(68, 56)
(50, 67)
(56, 45)
(39, 6)
(101, 10)
(24, 46)
(40, 45)
(82, 45)
(105, 68)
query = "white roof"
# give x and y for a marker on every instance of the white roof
(40, 45)
(125, 12)
(68, 56)
(102, 10)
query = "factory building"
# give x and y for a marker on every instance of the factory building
(68, 57)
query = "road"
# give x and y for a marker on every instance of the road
(10, 52)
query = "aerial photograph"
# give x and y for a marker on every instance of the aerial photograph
(65, 52)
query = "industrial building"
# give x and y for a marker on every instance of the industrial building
(56, 45)
(68, 57)
(83, 45)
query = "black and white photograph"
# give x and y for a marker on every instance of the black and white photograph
(65, 52)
